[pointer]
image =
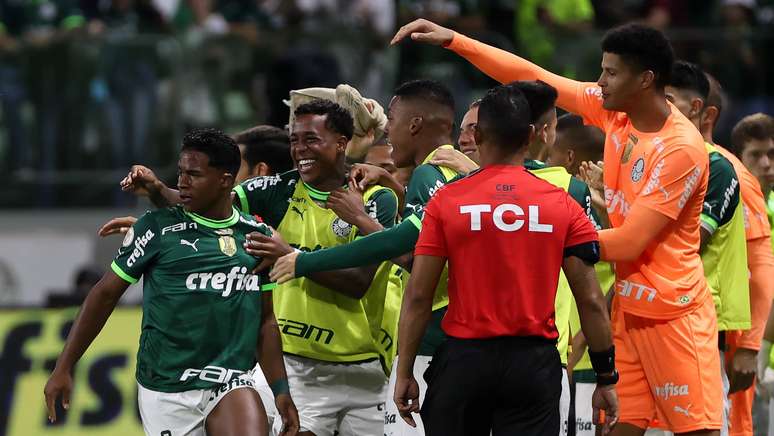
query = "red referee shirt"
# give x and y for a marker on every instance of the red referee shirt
(503, 231)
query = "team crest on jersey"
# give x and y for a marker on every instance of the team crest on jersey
(341, 228)
(224, 232)
(227, 245)
(638, 169)
(128, 238)
(627, 154)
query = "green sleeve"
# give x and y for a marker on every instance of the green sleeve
(266, 196)
(374, 248)
(139, 249)
(722, 195)
(425, 180)
(579, 191)
(383, 206)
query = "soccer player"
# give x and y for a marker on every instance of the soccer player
(324, 320)
(204, 310)
(723, 243)
(265, 151)
(575, 143)
(500, 323)
(421, 118)
(656, 170)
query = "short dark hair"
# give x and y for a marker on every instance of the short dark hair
(644, 47)
(504, 117)
(689, 76)
(220, 148)
(426, 89)
(752, 127)
(588, 139)
(337, 119)
(267, 144)
(540, 95)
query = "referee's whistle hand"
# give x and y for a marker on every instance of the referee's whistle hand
(407, 398)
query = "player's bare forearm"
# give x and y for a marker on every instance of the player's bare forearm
(366, 225)
(416, 309)
(352, 282)
(270, 343)
(96, 309)
(163, 196)
(406, 261)
(592, 307)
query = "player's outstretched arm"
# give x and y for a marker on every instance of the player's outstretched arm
(627, 242)
(273, 366)
(96, 309)
(374, 248)
(415, 313)
(118, 225)
(142, 181)
(498, 64)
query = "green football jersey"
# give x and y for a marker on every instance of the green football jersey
(317, 322)
(201, 302)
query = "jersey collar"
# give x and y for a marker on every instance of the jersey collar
(215, 224)
(316, 194)
(432, 153)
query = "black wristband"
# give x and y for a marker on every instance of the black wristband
(603, 361)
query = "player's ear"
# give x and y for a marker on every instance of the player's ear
(697, 105)
(647, 78)
(415, 125)
(227, 180)
(341, 144)
(543, 133)
(710, 115)
(570, 157)
(261, 169)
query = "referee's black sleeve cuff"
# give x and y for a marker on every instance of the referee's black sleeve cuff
(587, 252)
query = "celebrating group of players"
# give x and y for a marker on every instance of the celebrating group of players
(308, 271)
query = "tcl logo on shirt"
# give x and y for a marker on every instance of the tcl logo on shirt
(506, 212)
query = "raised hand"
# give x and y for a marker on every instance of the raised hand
(140, 181)
(117, 225)
(422, 30)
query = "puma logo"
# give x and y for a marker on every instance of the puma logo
(190, 244)
(679, 409)
(298, 211)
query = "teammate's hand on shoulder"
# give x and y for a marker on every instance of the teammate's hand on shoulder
(406, 397)
(288, 413)
(348, 204)
(604, 403)
(455, 160)
(268, 248)
(140, 181)
(60, 384)
(422, 30)
(742, 370)
(117, 225)
(365, 175)
(284, 268)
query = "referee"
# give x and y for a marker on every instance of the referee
(505, 234)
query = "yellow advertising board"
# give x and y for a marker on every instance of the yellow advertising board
(104, 399)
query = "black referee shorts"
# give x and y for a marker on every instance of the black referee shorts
(506, 386)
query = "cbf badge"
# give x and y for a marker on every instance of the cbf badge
(638, 169)
(340, 227)
(227, 245)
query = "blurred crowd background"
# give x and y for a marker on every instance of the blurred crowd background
(89, 87)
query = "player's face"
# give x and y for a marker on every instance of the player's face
(398, 131)
(316, 151)
(620, 84)
(381, 156)
(758, 157)
(200, 185)
(467, 141)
